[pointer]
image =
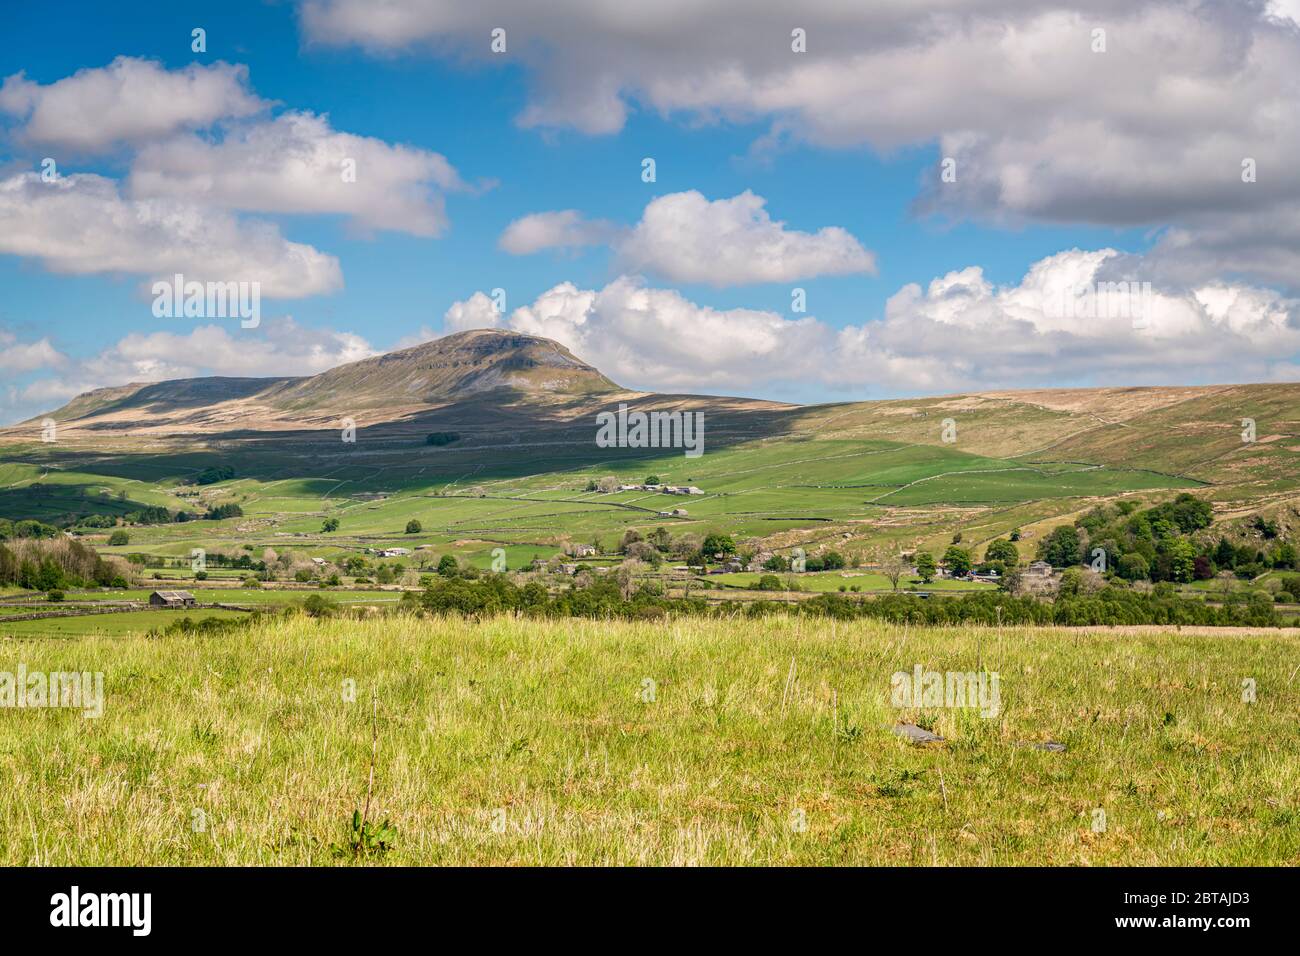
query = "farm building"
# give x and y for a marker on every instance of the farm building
(1040, 569)
(171, 599)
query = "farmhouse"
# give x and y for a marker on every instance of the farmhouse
(1039, 569)
(171, 599)
(584, 550)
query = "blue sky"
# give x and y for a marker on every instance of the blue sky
(430, 84)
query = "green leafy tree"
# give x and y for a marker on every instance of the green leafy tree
(448, 566)
(1060, 549)
(1133, 567)
(414, 527)
(925, 566)
(118, 538)
(1004, 551)
(957, 561)
(330, 524)
(717, 543)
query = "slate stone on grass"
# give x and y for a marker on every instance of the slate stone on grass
(1051, 746)
(916, 735)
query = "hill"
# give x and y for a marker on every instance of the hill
(516, 417)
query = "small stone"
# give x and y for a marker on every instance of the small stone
(1051, 746)
(916, 735)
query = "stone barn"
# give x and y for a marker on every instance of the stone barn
(171, 599)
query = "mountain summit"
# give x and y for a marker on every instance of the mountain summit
(454, 367)
(462, 367)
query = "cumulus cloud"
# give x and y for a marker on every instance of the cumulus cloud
(686, 238)
(297, 163)
(128, 101)
(476, 312)
(564, 229)
(1061, 324)
(683, 237)
(17, 357)
(281, 347)
(81, 224)
(1042, 125)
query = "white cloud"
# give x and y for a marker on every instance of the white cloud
(297, 163)
(959, 333)
(686, 238)
(80, 224)
(1151, 131)
(17, 357)
(564, 229)
(476, 312)
(281, 347)
(683, 237)
(128, 101)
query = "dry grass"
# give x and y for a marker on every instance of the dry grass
(519, 742)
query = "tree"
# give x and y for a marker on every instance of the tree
(893, 567)
(448, 566)
(769, 582)
(1071, 582)
(1004, 551)
(414, 527)
(957, 561)
(832, 561)
(1060, 549)
(1133, 567)
(925, 566)
(776, 563)
(607, 485)
(330, 524)
(118, 538)
(653, 480)
(1182, 560)
(718, 543)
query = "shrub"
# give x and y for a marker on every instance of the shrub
(317, 605)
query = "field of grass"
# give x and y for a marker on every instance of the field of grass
(128, 622)
(672, 742)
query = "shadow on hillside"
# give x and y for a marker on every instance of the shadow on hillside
(504, 435)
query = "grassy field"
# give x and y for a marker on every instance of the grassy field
(128, 622)
(676, 742)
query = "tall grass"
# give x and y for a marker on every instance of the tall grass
(545, 742)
